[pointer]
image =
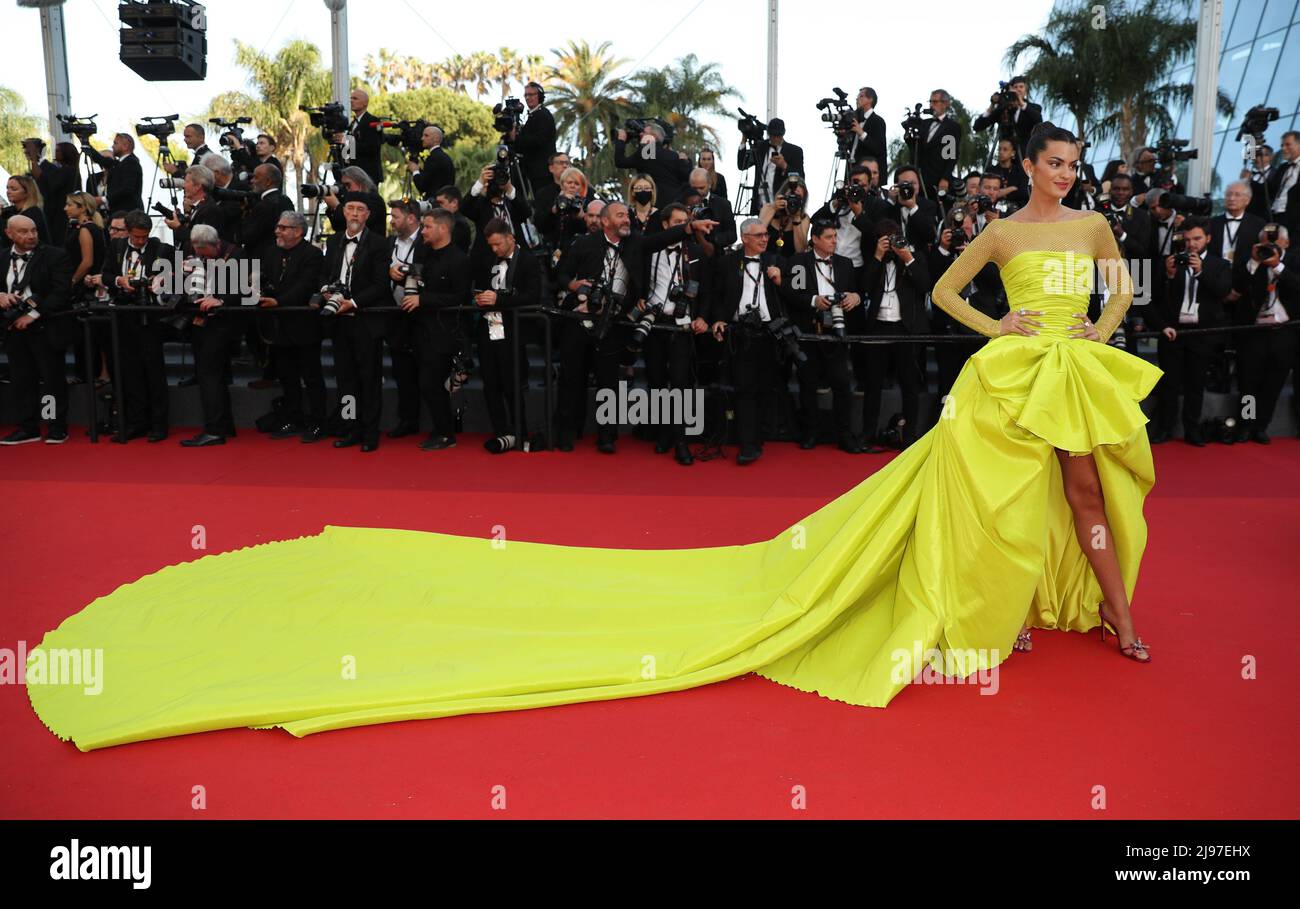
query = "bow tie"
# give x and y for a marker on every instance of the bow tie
(356, 239)
(825, 261)
(1234, 219)
(752, 259)
(15, 256)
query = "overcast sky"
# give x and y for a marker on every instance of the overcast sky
(903, 50)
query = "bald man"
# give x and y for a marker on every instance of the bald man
(34, 290)
(438, 169)
(363, 142)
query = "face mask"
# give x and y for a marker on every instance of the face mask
(643, 197)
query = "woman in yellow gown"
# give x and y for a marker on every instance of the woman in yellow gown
(1021, 508)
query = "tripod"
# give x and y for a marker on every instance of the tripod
(164, 157)
(758, 188)
(332, 168)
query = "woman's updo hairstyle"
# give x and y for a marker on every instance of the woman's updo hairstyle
(1042, 134)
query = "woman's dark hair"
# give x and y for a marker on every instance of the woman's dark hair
(1042, 134)
(1112, 169)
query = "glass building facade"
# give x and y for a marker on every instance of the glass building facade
(1259, 63)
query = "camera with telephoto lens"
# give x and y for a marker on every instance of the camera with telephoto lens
(15, 312)
(81, 127)
(957, 239)
(158, 127)
(232, 130)
(983, 204)
(833, 318)
(793, 202)
(330, 119)
(171, 183)
(1170, 151)
(568, 205)
(750, 126)
(905, 190)
(409, 136)
(329, 299)
(184, 299)
(1256, 121)
(506, 115)
(849, 194)
(1267, 250)
(505, 158)
(321, 190)
(1178, 246)
(226, 194)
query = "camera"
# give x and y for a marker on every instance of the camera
(81, 127)
(409, 136)
(793, 202)
(318, 190)
(982, 203)
(849, 194)
(171, 183)
(226, 194)
(914, 123)
(1169, 151)
(505, 159)
(507, 115)
(837, 113)
(898, 241)
(328, 118)
(1191, 205)
(834, 317)
(232, 128)
(568, 205)
(1269, 249)
(905, 190)
(1178, 246)
(957, 239)
(20, 308)
(786, 335)
(750, 126)
(1256, 121)
(158, 127)
(329, 299)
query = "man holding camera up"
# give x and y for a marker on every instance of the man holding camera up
(668, 168)
(199, 207)
(984, 292)
(820, 290)
(941, 142)
(55, 179)
(248, 160)
(405, 251)
(356, 269)
(1193, 292)
(291, 274)
(444, 285)
(1273, 298)
(35, 287)
(917, 215)
(494, 197)
(362, 143)
(129, 275)
(896, 278)
(195, 138)
(125, 179)
(438, 170)
(868, 130)
(774, 159)
(1013, 113)
(257, 232)
(534, 139)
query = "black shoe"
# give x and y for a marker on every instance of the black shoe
(683, 455)
(437, 443)
(188, 381)
(20, 437)
(605, 446)
(312, 434)
(808, 443)
(851, 445)
(370, 445)
(1260, 436)
(748, 455)
(348, 441)
(564, 443)
(287, 431)
(1158, 436)
(402, 430)
(1194, 438)
(500, 445)
(158, 434)
(130, 434)
(203, 440)
(662, 447)
(56, 436)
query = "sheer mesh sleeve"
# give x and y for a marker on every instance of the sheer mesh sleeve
(946, 294)
(1114, 271)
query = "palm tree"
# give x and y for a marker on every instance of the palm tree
(16, 125)
(586, 98)
(284, 82)
(680, 94)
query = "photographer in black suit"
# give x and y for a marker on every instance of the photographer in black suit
(445, 284)
(405, 251)
(618, 261)
(534, 140)
(195, 139)
(355, 180)
(489, 200)
(820, 292)
(918, 216)
(257, 232)
(438, 169)
(1193, 293)
(513, 280)
(941, 142)
(1234, 233)
(36, 281)
(124, 179)
(748, 299)
(719, 209)
(1273, 298)
(1283, 183)
(868, 130)
(200, 208)
(896, 278)
(291, 274)
(363, 143)
(129, 276)
(773, 159)
(56, 179)
(984, 292)
(356, 259)
(1014, 118)
(651, 156)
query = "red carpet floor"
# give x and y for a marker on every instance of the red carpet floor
(1186, 736)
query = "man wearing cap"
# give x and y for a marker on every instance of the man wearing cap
(774, 160)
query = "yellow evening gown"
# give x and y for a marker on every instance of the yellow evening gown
(938, 557)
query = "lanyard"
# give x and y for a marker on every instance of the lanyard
(758, 283)
(830, 279)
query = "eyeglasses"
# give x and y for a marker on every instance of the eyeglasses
(762, 236)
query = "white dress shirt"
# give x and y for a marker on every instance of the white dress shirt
(753, 294)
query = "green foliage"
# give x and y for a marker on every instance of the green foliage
(15, 126)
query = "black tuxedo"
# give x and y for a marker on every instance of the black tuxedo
(873, 143)
(358, 354)
(535, 143)
(753, 353)
(293, 329)
(142, 369)
(724, 235)
(369, 145)
(479, 210)
(726, 302)
(757, 159)
(1265, 356)
(1273, 181)
(435, 334)
(668, 169)
(586, 257)
(1015, 125)
(211, 212)
(911, 284)
(1246, 234)
(36, 352)
(826, 363)
(124, 182)
(939, 153)
(1213, 285)
(437, 171)
(921, 229)
(505, 370)
(55, 182)
(196, 157)
(257, 232)
(213, 334)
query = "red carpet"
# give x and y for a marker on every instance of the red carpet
(1184, 737)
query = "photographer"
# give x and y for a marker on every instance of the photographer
(896, 279)
(562, 220)
(853, 209)
(677, 289)
(544, 195)
(514, 279)
(263, 152)
(786, 219)
(1131, 224)
(131, 276)
(1194, 289)
(718, 209)
(747, 302)
(918, 216)
(1283, 183)
(774, 160)
(1015, 182)
(616, 260)
(445, 277)
(257, 232)
(195, 138)
(199, 209)
(534, 139)
(1013, 113)
(124, 181)
(55, 179)
(653, 158)
(1273, 297)
(941, 142)
(220, 261)
(1233, 233)
(641, 197)
(868, 130)
(438, 169)
(36, 281)
(493, 196)
(708, 160)
(354, 180)
(1142, 170)
(363, 143)
(462, 232)
(405, 252)
(820, 292)
(984, 292)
